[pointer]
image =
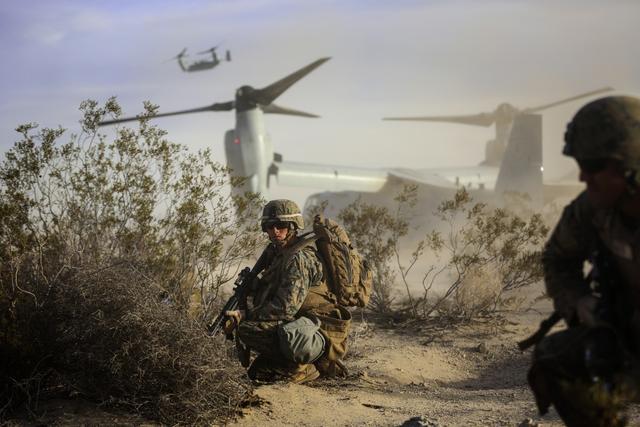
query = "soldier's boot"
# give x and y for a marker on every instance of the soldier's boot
(296, 373)
(330, 368)
(304, 373)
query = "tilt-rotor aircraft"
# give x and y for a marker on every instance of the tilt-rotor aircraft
(503, 117)
(201, 65)
(250, 154)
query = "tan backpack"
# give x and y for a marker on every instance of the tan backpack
(350, 278)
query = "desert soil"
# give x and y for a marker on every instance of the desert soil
(417, 375)
(473, 375)
(424, 375)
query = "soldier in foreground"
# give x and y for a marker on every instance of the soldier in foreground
(589, 371)
(293, 322)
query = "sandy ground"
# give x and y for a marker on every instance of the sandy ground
(423, 375)
(472, 376)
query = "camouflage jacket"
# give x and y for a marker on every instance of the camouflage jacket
(572, 242)
(285, 283)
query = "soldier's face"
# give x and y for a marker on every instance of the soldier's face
(605, 181)
(278, 233)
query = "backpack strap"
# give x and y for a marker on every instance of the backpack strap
(304, 240)
(307, 239)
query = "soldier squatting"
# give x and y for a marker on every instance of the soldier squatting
(294, 324)
(590, 369)
(587, 371)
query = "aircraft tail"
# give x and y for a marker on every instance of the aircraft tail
(521, 166)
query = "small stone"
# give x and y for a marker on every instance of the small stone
(528, 422)
(419, 422)
(482, 348)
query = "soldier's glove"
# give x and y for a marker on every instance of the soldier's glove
(586, 310)
(234, 319)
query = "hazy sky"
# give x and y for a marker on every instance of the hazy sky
(396, 57)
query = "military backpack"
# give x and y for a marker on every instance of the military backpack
(349, 277)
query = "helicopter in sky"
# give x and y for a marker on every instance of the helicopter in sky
(249, 153)
(204, 64)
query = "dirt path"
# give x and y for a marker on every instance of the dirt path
(472, 376)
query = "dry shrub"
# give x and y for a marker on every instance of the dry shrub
(477, 290)
(111, 337)
(117, 341)
(481, 255)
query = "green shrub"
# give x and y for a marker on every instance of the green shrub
(113, 257)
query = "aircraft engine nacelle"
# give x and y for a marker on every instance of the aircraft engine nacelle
(247, 160)
(521, 168)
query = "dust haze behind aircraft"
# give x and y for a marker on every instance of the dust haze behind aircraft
(250, 153)
(401, 57)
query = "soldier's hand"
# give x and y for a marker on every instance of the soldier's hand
(586, 310)
(235, 317)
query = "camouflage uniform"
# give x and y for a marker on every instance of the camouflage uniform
(282, 290)
(575, 238)
(560, 358)
(580, 370)
(291, 285)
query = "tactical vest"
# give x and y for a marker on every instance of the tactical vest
(319, 298)
(320, 303)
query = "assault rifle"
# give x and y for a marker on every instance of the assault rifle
(240, 287)
(240, 290)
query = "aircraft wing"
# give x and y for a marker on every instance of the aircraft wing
(341, 178)
(421, 177)
(328, 177)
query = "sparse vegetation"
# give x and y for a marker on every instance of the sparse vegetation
(482, 255)
(113, 256)
(488, 252)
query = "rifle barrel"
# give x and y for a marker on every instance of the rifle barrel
(545, 327)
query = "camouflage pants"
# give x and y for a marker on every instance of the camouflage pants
(585, 373)
(261, 337)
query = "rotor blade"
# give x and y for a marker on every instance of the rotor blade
(562, 101)
(213, 49)
(210, 50)
(482, 119)
(178, 56)
(219, 106)
(275, 109)
(267, 95)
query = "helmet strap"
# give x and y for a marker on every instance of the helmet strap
(291, 234)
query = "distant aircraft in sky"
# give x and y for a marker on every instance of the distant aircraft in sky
(204, 64)
(250, 154)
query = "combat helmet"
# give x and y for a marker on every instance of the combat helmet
(281, 210)
(607, 128)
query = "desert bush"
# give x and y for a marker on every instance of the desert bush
(487, 253)
(482, 254)
(119, 346)
(113, 256)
